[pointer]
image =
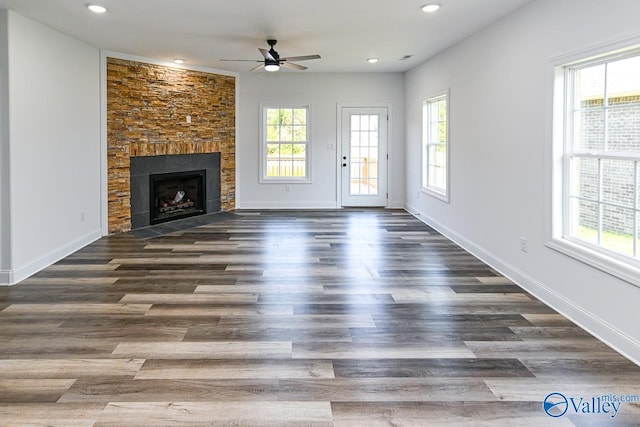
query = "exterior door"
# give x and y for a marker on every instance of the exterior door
(364, 156)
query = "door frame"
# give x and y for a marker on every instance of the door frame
(339, 108)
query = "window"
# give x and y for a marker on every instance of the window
(435, 141)
(285, 144)
(600, 161)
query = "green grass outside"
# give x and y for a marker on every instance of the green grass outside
(616, 242)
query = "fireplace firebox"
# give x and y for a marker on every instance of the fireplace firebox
(177, 195)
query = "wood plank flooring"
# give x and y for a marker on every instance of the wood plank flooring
(357, 317)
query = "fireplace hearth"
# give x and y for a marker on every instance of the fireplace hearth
(176, 195)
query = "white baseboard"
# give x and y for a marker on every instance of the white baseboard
(12, 277)
(598, 327)
(301, 205)
(286, 205)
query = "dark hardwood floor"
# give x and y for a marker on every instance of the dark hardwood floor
(332, 318)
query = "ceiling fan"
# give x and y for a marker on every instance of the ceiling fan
(272, 60)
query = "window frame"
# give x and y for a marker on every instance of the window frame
(558, 166)
(264, 179)
(425, 187)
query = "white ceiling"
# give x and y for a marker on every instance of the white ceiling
(344, 32)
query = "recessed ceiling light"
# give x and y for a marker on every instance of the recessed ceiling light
(406, 57)
(372, 60)
(430, 7)
(178, 61)
(96, 8)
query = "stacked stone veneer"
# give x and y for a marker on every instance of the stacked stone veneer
(617, 184)
(147, 109)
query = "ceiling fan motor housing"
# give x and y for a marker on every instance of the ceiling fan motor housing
(273, 52)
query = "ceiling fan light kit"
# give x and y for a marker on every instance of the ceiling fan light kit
(271, 67)
(430, 7)
(96, 8)
(272, 61)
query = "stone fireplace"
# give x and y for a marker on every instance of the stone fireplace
(155, 111)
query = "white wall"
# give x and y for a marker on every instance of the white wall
(54, 141)
(500, 128)
(323, 92)
(5, 224)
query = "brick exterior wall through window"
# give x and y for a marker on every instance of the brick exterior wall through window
(623, 135)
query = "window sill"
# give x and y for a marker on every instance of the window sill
(285, 181)
(629, 271)
(436, 194)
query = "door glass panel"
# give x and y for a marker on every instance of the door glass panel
(373, 122)
(373, 140)
(364, 122)
(364, 154)
(355, 123)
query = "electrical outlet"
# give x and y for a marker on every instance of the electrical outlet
(188, 119)
(287, 187)
(523, 245)
(82, 216)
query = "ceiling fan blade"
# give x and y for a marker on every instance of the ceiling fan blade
(259, 67)
(293, 66)
(300, 58)
(266, 54)
(241, 60)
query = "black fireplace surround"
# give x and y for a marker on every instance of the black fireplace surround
(174, 170)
